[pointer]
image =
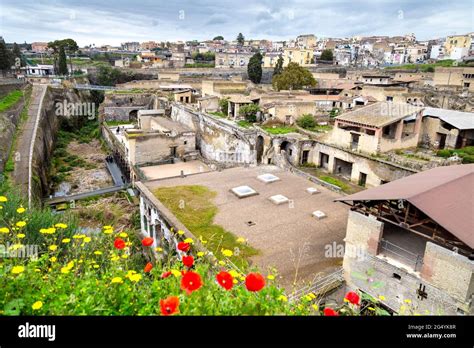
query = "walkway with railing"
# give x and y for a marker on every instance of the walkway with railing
(320, 286)
(400, 254)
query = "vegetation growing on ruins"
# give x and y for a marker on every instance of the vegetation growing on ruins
(10, 100)
(293, 77)
(194, 207)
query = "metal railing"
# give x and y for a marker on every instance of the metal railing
(320, 286)
(407, 257)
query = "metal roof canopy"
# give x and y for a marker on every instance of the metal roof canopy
(444, 194)
(459, 119)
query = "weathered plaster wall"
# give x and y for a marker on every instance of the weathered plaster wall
(218, 140)
(446, 278)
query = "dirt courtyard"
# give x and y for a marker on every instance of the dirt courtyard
(288, 237)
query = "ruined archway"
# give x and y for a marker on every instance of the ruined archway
(259, 148)
(132, 115)
(284, 146)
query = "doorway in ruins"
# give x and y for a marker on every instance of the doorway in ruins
(285, 145)
(259, 148)
(132, 115)
(304, 157)
(323, 160)
(343, 168)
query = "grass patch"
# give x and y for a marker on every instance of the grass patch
(280, 130)
(200, 65)
(198, 216)
(244, 124)
(334, 181)
(320, 128)
(10, 164)
(218, 114)
(117, 123)
(446, 63)
(10, 99)
(466, 153)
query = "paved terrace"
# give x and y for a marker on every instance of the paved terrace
(288, 238)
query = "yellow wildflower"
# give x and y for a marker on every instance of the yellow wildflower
(234, 273)
(240, 240)
(315, 307)
(271, 276)
(96, 266)
(123, 235)
(189, 240)
(176, 273)
(21, 235)
(98, 252)
(180, 232)
(124, 256)
(37, 305)
(60, 225)
(53, 247)
(135, 277)
(3, 199)
(117, 280)
(21, 224)
(227, 252)
(283, 298)
(107, 227)
(53, 259)
(15, 246)
(222, 263)
(18, 269)
(407, 301)
(20, 210)
(159, 249)
(371, 308)
(87, 239)
(4, 230)
(200, 254)
(66, 240)
(382, 298)
(108, 231)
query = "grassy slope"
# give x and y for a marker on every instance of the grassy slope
(198, 215)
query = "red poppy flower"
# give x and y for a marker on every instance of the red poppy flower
(225, 280)
(191, 281)
(170, 305)
(165, 275)
(148, 267)
(182, 246)
(188, 261)
(119, 243)
(329, 312)
(147, 241)
(254, 282)
(352, 297)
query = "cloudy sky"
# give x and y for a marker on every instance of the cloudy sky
(113, 22)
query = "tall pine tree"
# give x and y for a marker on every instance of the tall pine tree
(254, 68)
(62, 63)
(278, 66)
(5, 58)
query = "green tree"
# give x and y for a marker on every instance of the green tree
(240, 39)
(278, 66)
(224, 105)
(17, 54)
(5, 58)
(327, 55)
(220, 37)
(293, 77)
(306, 121)
(249, 111)
(68, 45)
(254, 68)
(62, 64)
